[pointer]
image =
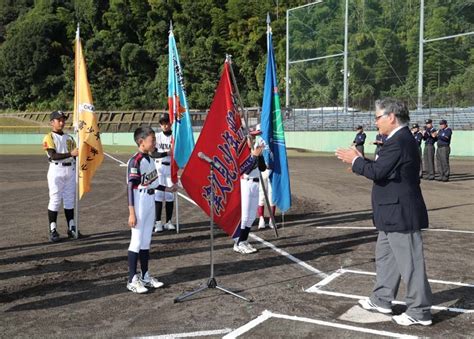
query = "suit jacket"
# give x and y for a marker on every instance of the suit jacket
(397, 201)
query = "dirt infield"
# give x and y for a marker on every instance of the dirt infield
(77, 288)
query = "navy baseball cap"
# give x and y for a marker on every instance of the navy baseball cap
(359, 127)
(443, 122)
(165, 119)
(428, 121)
(57, 115)
(415, 126)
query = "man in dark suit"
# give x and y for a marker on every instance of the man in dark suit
(399, 215)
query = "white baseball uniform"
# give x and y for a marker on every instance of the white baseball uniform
(143, 176)
(163, 166)
(249, 187)
(265, 180)
(61, 173)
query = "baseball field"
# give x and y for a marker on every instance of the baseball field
(305, 283)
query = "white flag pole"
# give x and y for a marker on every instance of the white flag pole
(76, 129)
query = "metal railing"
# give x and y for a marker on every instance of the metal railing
(323, 120)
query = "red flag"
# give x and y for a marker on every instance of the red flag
(223, 140)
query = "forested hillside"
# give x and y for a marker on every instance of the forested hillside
(125, 44)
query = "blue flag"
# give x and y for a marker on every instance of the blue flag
(183, 141)
(274, 135)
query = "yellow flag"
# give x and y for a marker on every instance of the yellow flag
(91, 153)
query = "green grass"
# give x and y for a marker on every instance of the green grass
(21, 149)
(8, 121)
(115, 149)
(15, 125)
(38, 149)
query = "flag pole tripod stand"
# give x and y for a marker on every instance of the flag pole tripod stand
(211, 282)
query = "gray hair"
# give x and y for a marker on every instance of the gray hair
(397, 107)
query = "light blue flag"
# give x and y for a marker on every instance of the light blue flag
(178, 107)
(273, 133)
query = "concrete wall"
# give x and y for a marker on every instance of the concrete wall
(319, 141)
(326, 141)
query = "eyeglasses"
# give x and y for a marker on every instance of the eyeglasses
(378, 117)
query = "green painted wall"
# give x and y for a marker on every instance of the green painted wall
(319, 141)
(326, 141)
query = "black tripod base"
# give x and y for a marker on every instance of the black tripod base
(211, 283)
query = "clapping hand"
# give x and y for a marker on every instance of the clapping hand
(348, 155)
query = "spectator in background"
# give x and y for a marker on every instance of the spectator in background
(442, 152)
(359, 140)
(379, 140)
(415, 130)
(429, 137)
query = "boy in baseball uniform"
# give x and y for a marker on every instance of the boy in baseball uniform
(249, 185)
(265, 183)
(162, 157)
(61, 150)
(142, 183)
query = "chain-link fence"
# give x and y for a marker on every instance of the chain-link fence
(327, 119)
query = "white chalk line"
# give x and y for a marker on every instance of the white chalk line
(445, 282)
(317, 288)
(188, 199)
(328, 227)
(268, 315)
(273, 247)
(248, 326)
(289, 256)
(373, 228)
(122, 164)
(188, 334)
(446, 230)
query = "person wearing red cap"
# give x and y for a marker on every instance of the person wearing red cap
(444, 135)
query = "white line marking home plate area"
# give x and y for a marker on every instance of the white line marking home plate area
(266, 315)
(318, 288)
(189, 334)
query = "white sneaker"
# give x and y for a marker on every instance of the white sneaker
(136, 286)
(158, 227)
(148, 281)
(405, 320)
(271, 224)
(169, 226)
(248, 246)
(368, 305)
(261, 223)
(242, 249)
